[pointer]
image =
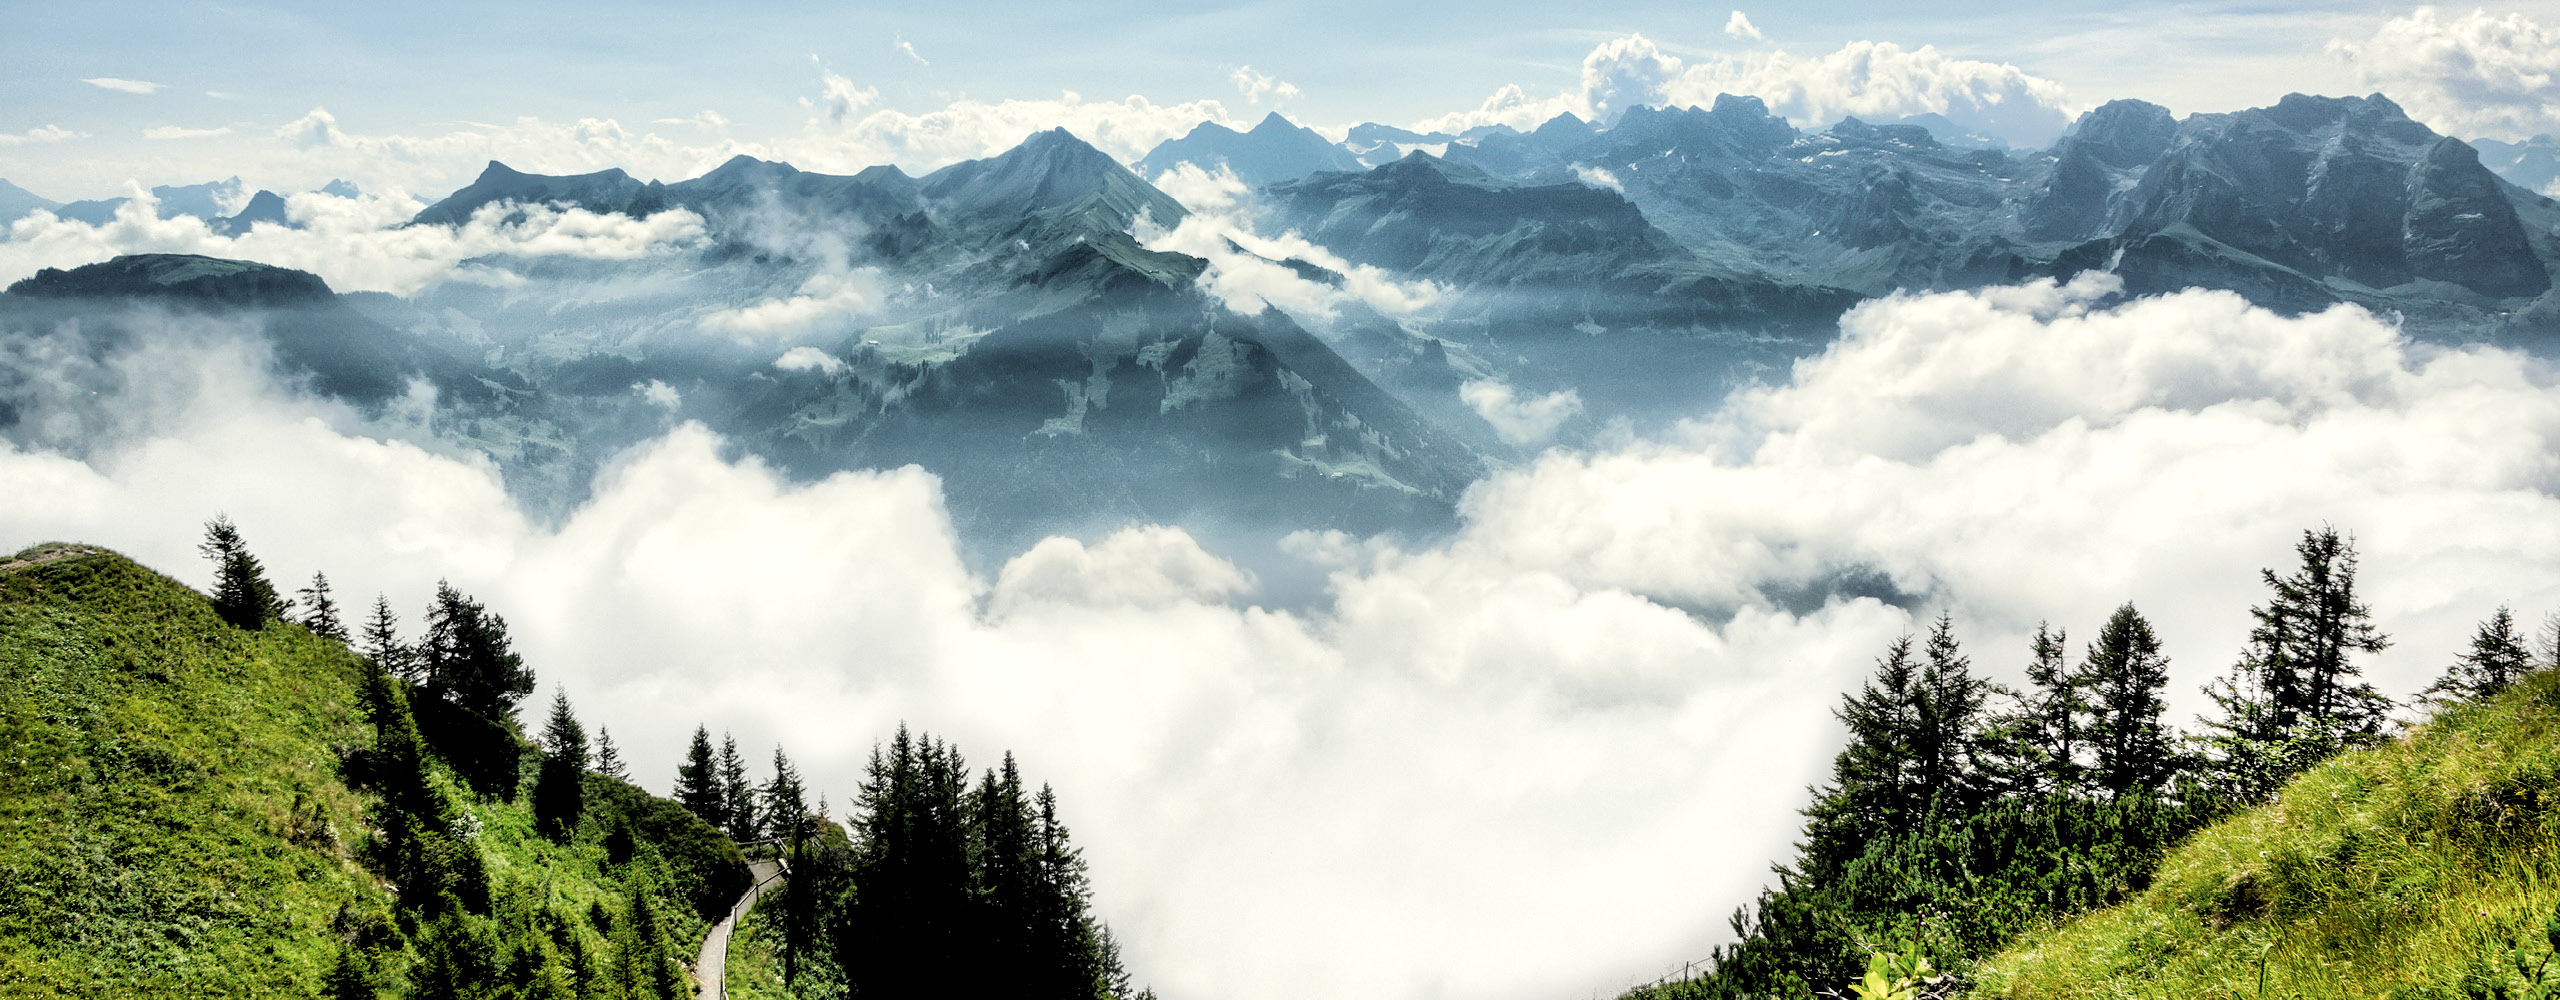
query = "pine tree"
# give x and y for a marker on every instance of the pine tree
(320, 611)
(559, 789)
(737, 794)
(2125, 674)
(1004, 854)
(1873, 788)
(1065, 955)
(467, 659)
(608, 757)
(698, 785)
(785, 804)
(382, 643)
(241, 593)
(2294, 697)
(2497, 659)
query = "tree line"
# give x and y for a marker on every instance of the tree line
(1961, 812)
(928, 875)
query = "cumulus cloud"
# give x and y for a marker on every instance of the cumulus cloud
(1245, 273)
(356, 244)
(181, 132)
(826, 298)
(658, 393)
(1520, 420)
(124, 86)
(1600, 177)
(1740, 27)
(1145, 567)
(2475, 76)
(41, 133)
(838, 98)
(1868, 79)
(1256, 86)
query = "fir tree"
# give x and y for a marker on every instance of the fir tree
(608, 757)
(468, 661)
(698, 785)
(785, 804)
(1872, 788)
(559, 789)
(737, 794)
(241, 593)
(320, 611)
(382, 643)
(2294, 698)
(2125, 674)
(1945, 743)
(2050, 728)
(2497, 659)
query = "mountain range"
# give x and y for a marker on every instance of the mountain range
(1010, 324)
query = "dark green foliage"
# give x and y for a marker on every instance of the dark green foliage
(698, 781)
(457, 958)
(559, 789)
(785, 803)
(467, 660)
(737, 794)
(2044, 738)
(241, 593)
(644, 965)
(352, 978)
(2294, 698)
(1872, 786)
(2124, 674)
(702, 869)
(2496, 660)
(320, 611)
(944, 874)
(485, 753)
(1947, 742)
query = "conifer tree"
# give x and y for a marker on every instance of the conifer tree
(559, 789)
(468, 661)
(737, 794)
(241, 593)
(2546, 641)
(1945, 742)
(1872, 788)
(643, 967)
(698, 785)
(320, 611)
(2125, 674)
(382, 643)
(785, 805)
(2294, 697)
(609, 757)
(2050, 727)
(2496, 660)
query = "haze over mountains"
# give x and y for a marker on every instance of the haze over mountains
(1022, 325)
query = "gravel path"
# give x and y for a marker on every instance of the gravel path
(712, 969)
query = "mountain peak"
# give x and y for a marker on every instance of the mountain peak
(1274, 122)
(181, 277)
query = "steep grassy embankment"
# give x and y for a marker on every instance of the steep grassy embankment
(2405, 871)
(171, 818)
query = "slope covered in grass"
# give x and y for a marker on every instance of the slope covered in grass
(171, 818)
(2406, 871)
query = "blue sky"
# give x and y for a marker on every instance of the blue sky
(423, 70)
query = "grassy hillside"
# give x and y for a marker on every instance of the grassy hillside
(175, 817)
(171, 820)
(2407, 871)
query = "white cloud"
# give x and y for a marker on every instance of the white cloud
(709, 119)
(1517, 420)
(839, 99)
(658, 394)
(829, 297)
(1740, 27)
(1250, 279)
(41, 133)
(1256, 86)
(910, 52)
(1868, 79)
(801, 359)
(1503, 766)
(1599, 177)
(180, 132)
(2475, 76)
(124, 86)
(355, 244)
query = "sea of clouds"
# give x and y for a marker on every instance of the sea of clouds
(1546, 756)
